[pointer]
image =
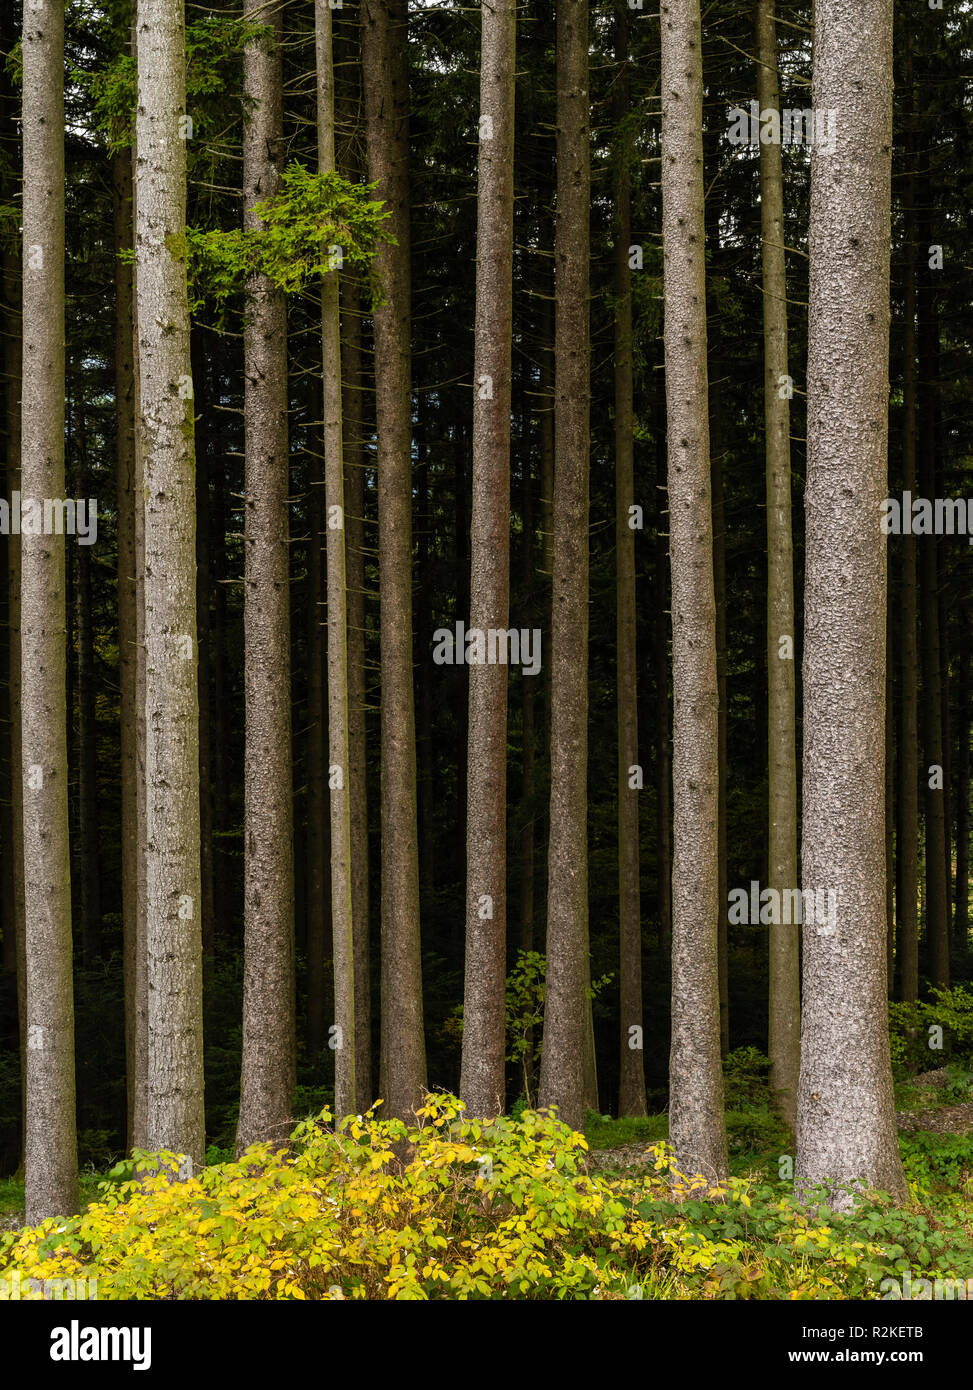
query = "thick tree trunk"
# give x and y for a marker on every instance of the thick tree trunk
(631, 1085)
(354, 457)
(173, 945)
(387, 118)
(696, 1126)
(317, 840)
(126, 504)
(566, 1012)
(482, 1083)
(51, 1167)
(846, 1122)
(342, 902)
(268, 1073)
(907, 802)
(784, 1031)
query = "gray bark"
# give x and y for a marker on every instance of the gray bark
(173, 896)
(631, 1086)
(566, 1033)
(696, 1125)
(51, 1169)
(387, 126)
(784, 1030)
(846, 1123)
(483, 1066)
(269, 1062)
(342, 903)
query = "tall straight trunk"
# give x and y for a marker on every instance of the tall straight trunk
(126, 503)
(140, 1081)
(342, 903)
(317, 878)
(354, 457)
(933, 770)
(204, 588)
(631, 1085)
(907, 798)
(268, 1073)
(696, 1126)
(566, 1011)
(51, 1167)
(784, 1024)
(385, 77)
(482, 1082)
(173, 895)
(846, 1132)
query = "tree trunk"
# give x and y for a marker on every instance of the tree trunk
(932, 773)
(351, 415)
(784, 1030)
(907, 803)
(846, 1131)
(51, 1167)
(342, 902)
(696, 1125)
(631, 1085)
(126, 504)
(387, 119)
(268, 1074)
(483, 1068)
(566, 1011)
(173, 945)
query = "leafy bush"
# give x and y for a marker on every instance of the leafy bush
(913, 1029)
(461, 1209)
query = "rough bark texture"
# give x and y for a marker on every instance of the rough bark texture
(784, 1031)
(173, 944)
(387, 120)
(696, 1125)
(126, 502)
(907, 803)
(51, 1168)
(268, 1073)
(140, 970)
(566, 1012)
(351, 416)
(482, 1079)
(846, 1121)
(631, 1085)
(342, 902)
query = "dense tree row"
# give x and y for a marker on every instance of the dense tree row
(490, 417)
